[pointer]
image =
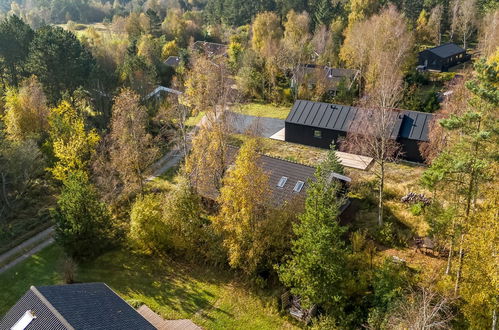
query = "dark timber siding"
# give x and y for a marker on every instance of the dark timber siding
(443, 57)
(334, 121)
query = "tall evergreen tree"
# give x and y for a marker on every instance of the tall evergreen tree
(323, 12)
(316, 270)
(15, 38)
(464, 166)
(83, 224)
(60, 61)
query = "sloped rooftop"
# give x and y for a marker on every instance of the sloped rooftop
(446, 50)
(406, 124)
(77, 306)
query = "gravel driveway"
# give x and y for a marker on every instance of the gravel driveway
(261, 126)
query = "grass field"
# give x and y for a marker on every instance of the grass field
(263, 110)
(212, 298)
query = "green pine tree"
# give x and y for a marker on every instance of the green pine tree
(83, 223)
(323, 12)
(316, 270)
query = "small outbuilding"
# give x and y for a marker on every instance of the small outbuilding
(319, 124)
(310, 75)
(442, 57)
(172, 61)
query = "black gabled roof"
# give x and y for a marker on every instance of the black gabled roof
(45, 316)
(407, 124)
(75, 306)
(415, 125)
(323, 115)
(446, 50)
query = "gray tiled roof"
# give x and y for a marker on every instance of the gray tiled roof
(76, 306)
(446, 50)
(406, 124)
(172, 61)
(276, 168)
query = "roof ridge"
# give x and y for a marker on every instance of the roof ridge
(286, 160)
(274, 157)
(364, 108)
(51, 308)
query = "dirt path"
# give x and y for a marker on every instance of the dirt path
(27, 249)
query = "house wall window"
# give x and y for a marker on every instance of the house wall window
(317, 134)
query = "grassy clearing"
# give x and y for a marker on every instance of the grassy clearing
(43, 268)
(285, 150)
(194, 120)
(263, 110)
(212, 298)
(401, 178)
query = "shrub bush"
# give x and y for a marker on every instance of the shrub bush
(417, 209)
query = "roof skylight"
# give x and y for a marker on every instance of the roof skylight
(298, 186)
(282, 182)
(24, 321)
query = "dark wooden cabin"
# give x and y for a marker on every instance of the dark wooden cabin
(443, 57)
(319, 124)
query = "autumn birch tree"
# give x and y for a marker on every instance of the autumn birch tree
(242, 218)
(27, 112)
(208, 90)
(132, 149)
(381, 61)
(464, 14)
(371, 134)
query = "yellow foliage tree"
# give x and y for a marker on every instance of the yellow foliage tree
(480, 287)
(242, 216)
(361, 9)
(267, 33)
(170, 48)
(72, 144)
(26, 111)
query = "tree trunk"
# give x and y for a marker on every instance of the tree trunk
(380, 201)
(451, 248)
(4, 191)
(460, 267)
(494, 319)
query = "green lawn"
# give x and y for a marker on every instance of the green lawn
(194, 120)
(212, 298)
(263, 110)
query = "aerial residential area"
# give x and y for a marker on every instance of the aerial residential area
(249, 164)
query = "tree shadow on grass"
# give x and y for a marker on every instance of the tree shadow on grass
(172, 288)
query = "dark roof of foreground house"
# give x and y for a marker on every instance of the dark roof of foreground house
(77, 306)
(288, 180)
(211, 48)
(407, 124)
(446, 50)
